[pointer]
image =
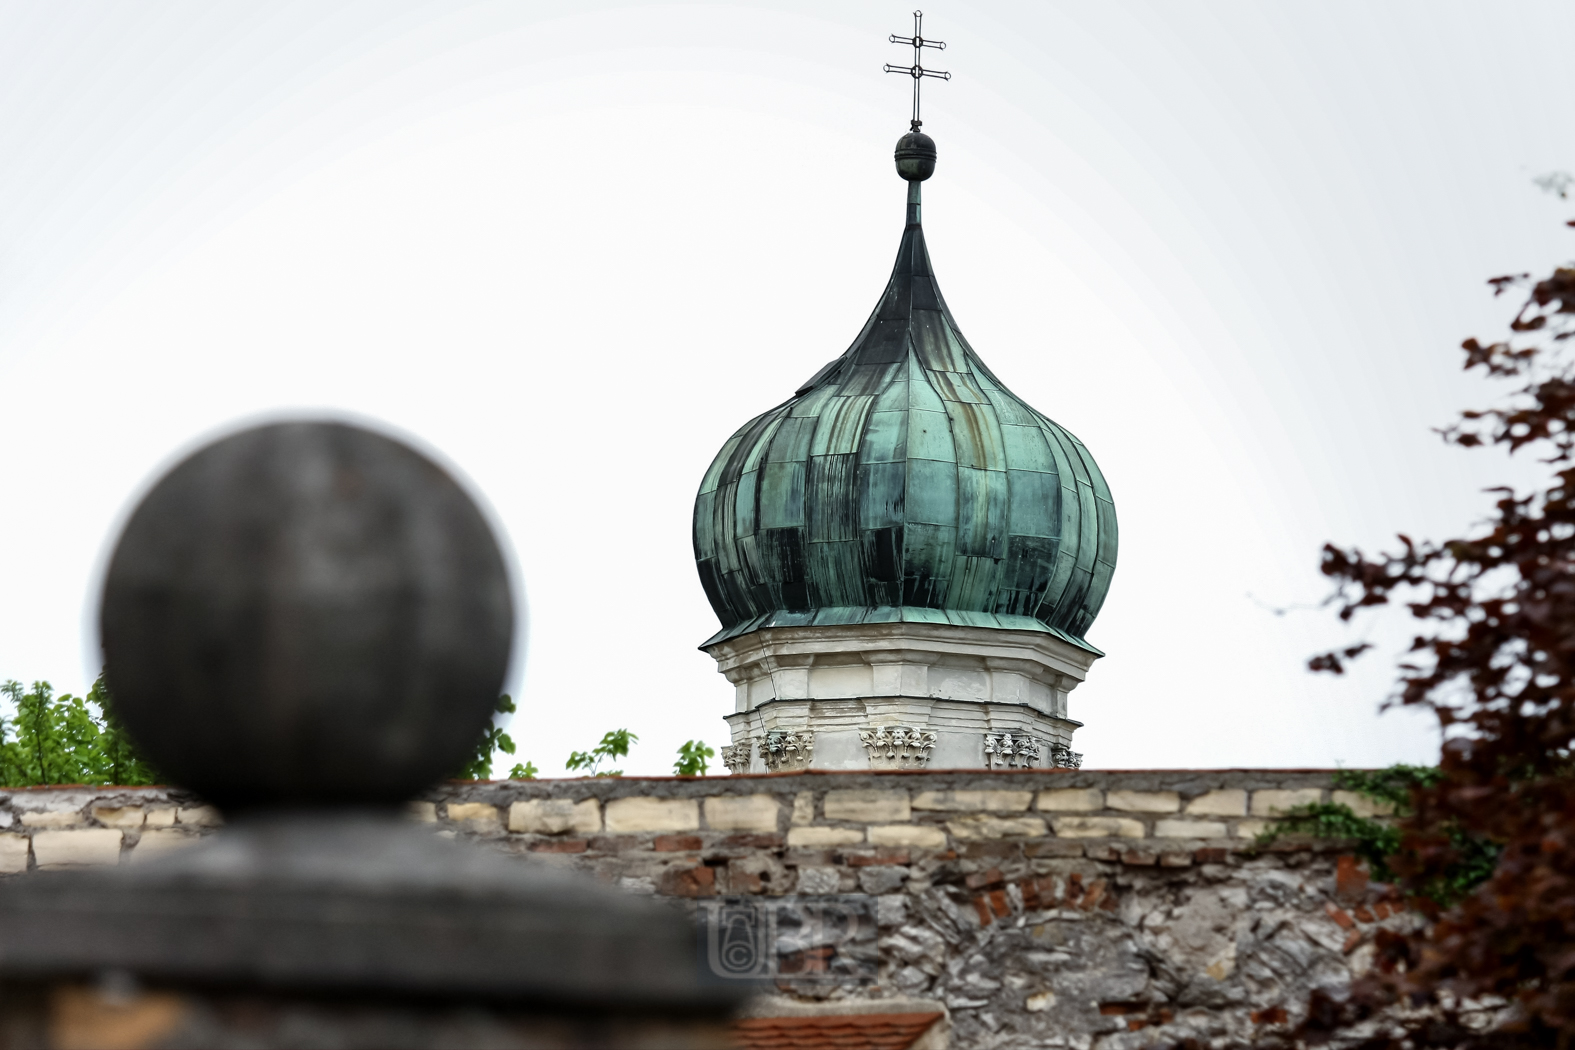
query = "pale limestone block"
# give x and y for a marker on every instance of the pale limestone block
(162, 817)
(481, 816)
(1007, 801)
(422, 812)
(1143, 801)
(973, 801)
(742, 813)
(949, 801)
(1251, 829)
(868, 805)
(804, 808)
(119, 816)
(1227, 802)
(1072, 800)
(1097, 827)
(922, 836)
(813, 838)
(78, 848)
(554, 816)
(13, 854)
(1363, 806)
(160, 842)
(643, 813)
(51, 819)
(587, 817)
(983, 827)
(199, 816)
(1271, 802)
(541, 816)
(1190, 829)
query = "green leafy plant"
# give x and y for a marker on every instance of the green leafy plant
(692, 758)
(66, 739)
(1378, 840)
(613, 745)
(491, 741)
(524, 771)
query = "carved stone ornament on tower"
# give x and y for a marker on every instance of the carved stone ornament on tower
(904, 543)
(1004, 751)
(308, 624)
(898, 747)
(787, 750)
(737, 757)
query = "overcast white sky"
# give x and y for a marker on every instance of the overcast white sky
(1232, 246)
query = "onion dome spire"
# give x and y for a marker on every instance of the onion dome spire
(905, 482)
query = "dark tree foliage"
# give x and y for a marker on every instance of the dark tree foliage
(1494, 659)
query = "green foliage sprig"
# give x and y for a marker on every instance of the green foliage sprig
(492, 741)
(692, 758)
(613, 745)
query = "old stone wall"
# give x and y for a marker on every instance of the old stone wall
(1077, 909)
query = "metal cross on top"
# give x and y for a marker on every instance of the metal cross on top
(917, 71)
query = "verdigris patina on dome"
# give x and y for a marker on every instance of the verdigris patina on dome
(905, 483)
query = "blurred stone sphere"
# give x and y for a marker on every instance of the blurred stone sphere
(306, 613)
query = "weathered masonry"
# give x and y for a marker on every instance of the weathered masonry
(1075, 909)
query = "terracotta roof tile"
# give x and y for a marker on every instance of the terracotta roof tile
(841, 1032)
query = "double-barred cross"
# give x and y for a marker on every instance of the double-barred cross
(917, 71)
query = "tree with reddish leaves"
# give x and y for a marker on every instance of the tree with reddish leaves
(1494, 660)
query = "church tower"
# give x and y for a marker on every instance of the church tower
(904, 556)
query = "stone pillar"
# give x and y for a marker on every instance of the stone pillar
(308, 624)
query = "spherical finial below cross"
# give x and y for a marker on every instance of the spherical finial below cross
(915, 156)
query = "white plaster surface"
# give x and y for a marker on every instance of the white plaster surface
(960, 683)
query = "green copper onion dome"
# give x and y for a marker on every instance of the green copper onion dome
(904, 482)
